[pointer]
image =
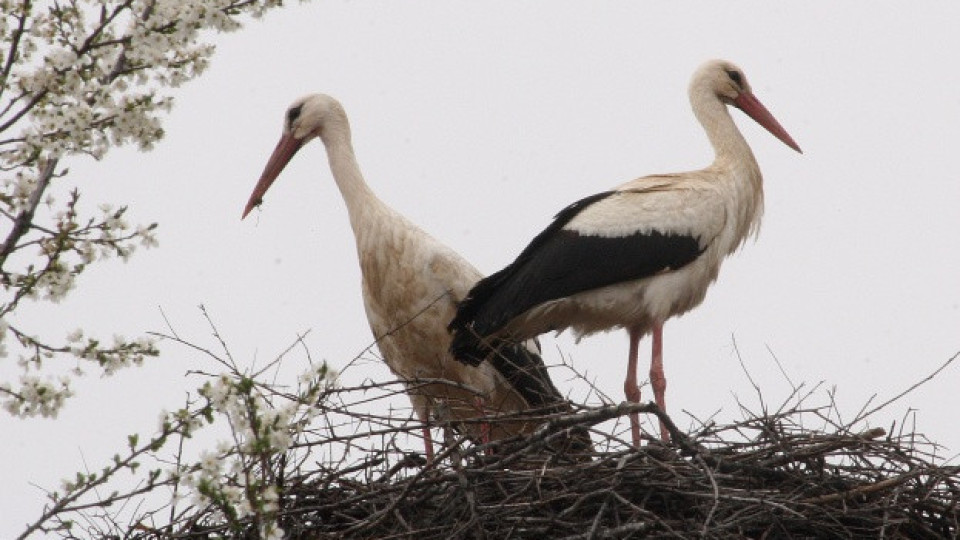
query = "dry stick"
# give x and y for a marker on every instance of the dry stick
(886, 511)
(386, 420)
(592, 417)
(469, 494)
(908, 390)
(178, 461)
(379, 516)
(753, 500)
(743, 367)
(592, 533)
(716, 496)
(232, 364)
(865, 489)
(640, 527)
(166, 321)
(782, 370)
(195, 347)
(410, 320)
(279, 358)
(825, 447)
(417, 382)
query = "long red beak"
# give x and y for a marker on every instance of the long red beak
(285, 150)
(749, 104)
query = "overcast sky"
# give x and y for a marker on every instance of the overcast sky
(479, 122)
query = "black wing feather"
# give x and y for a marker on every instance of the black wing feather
(560, 263)
(486, 287)
(467, 343)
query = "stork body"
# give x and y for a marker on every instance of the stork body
(637, 255)
(411, 285)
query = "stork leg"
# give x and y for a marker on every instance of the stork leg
(657, 379)
(484, 426)
(630, 386)
(424, 417)
(428, 444)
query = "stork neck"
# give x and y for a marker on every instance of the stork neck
(357, 195)
(730, 148)
(734, 166)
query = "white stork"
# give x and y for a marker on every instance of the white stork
(411, 286)
(637, 255)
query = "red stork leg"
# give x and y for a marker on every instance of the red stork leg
(424, 417)
(484, 426)
(657, 379)
(630, 387)
(428, 444)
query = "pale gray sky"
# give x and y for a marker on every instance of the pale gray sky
(479, 122)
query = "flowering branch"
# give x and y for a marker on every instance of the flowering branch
(239, 480)
(78, 78)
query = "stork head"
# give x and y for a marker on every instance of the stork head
(728, 83)
(315, 115)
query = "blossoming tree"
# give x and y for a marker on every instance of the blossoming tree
(77, 78)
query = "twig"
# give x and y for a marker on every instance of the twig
(864, 489)
(910, 389)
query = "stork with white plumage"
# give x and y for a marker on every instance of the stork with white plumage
(637, 255)
(411, 285)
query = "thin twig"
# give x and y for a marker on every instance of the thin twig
(911, 388)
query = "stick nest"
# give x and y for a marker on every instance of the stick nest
(766, 476)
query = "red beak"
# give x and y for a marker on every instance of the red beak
(285, 150)
(749, 104)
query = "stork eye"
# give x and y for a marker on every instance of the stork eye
(293, 113)
(736, 77)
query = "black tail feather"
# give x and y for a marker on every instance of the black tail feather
(526, 373)
(468, 347)
(517, 363)
(523, 369)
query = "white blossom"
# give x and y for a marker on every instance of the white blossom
(148, 238)
(39, 397)
(218, 392)
(75, 336)
(210, 463)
